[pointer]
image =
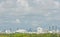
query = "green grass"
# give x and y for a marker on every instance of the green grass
(29, 35)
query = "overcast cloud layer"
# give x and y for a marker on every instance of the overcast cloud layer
(28, 13)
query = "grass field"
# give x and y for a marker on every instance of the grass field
(29, 35)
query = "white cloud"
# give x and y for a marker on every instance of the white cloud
(53, 18)
(57, 4)
(7, 5)
(49, 18)
(22, 3)
(18, 21)
(1, 8)
(47, 14)
(37, 1)
(56, 18)
(36, 23)
(23, 7)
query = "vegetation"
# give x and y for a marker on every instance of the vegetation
(29, 35)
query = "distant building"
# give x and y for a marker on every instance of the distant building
(21, 31)
(39, 30)
(50, 31)
(57, 31)
(30, 30)
(8, 31)
(54, 31)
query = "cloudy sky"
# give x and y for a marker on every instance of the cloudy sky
(29, 13)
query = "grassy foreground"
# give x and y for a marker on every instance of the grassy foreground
(29, 35)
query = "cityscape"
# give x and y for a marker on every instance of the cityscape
(29, 18)
(39, 30)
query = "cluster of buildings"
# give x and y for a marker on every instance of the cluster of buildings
(39, 31)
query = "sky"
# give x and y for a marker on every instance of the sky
(29, 14)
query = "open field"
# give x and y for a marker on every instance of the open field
(29, 35)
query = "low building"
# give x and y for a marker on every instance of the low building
(8, 31)
(50, 31)
(39, 30)
(54, 31)
(21, 31)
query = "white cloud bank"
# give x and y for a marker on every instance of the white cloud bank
(18, 21)
(46, 8)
